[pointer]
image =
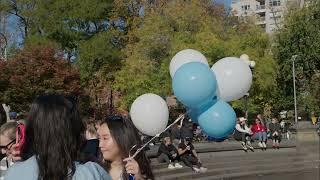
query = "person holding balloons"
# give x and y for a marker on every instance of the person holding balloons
(117, 138)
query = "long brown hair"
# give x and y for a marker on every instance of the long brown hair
(54, 134)
(126, 135)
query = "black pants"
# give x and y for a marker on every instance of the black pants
(190, 161)
(240, 136)
(167, 159)
(276, 138)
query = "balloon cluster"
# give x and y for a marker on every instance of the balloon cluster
(205, 92)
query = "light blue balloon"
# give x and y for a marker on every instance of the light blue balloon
(195, 112)
(219, 120)
(216, 139)
(194, 84)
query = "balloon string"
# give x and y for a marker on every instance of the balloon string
(181, 117)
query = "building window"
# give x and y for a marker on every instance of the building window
(275, 3)
(245, 7)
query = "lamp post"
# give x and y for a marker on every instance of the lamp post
(251, 64)
(246, 96)
(293, 58)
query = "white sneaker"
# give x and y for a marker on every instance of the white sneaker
(260, 144)
(244, 146)
(170, 166)
(177, 165)
(264, 145)
(197, 170)
(203, 169)
(249, 145)
(151, 144)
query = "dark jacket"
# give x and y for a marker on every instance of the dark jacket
(91, 148)
(273, 127)
(175, 133)
(168, 150)
(186, 131)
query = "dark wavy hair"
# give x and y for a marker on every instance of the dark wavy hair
(3, 116)
(54, 134)
(126, 135)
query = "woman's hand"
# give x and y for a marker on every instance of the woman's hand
(132, 167)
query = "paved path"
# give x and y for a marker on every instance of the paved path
(285, 163)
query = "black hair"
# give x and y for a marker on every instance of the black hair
(3, 116)
(54, 134)
(126, 136)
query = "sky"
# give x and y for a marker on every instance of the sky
(227, 3)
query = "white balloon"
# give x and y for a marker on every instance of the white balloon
(244, 57)
(248, 62)
(252, 64)
(186, 56)
(234, 78)
(150, 114)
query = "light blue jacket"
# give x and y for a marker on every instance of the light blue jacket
(28, 170)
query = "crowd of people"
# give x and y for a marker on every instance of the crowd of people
(53, 142)
(58, 145)
(258, 132)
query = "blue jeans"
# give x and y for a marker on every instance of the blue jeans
(261, 136)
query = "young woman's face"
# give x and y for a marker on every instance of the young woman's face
(108, 146)
(257, 121)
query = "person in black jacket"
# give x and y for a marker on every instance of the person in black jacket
(275, 130)
(169, 154)
(189, 155)
(91, 147)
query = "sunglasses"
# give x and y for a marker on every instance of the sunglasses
(8, 146)
(115, 118)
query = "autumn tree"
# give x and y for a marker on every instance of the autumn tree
(36, 71)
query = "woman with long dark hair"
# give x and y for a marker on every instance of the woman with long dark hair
(54, 136)
(117, 136)
(3, 116)
(259, 132)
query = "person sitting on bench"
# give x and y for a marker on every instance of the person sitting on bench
(169, 154)
(189, 156)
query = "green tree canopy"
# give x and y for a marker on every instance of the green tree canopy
(175, 25)
(299, 36)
